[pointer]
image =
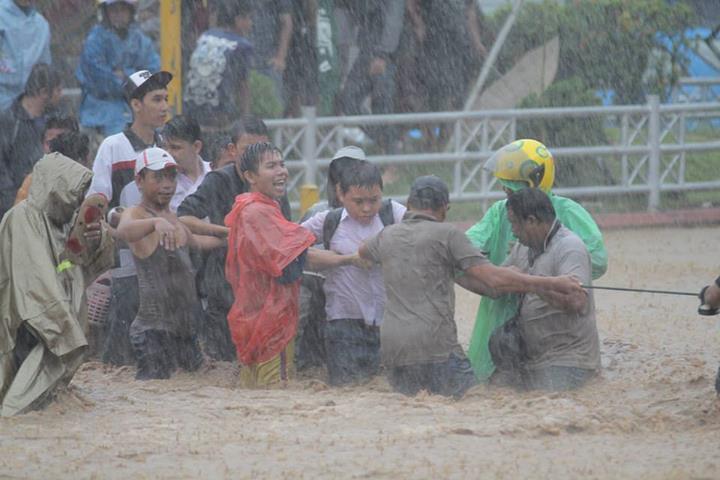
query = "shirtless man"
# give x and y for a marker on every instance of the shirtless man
(163, 332)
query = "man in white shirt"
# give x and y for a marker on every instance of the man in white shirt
(182, 139)
(113, 176)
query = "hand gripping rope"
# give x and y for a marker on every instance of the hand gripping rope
(704, 308)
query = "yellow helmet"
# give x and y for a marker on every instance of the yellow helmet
(527, 161)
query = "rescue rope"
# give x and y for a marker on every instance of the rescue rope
(640, 290)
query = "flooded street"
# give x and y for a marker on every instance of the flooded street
(652, 414)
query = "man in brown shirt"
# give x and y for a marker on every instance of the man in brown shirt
(421, 258)
(562, 348)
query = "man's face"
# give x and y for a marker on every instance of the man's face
(271, 177)
(225, 157)
(522, 229)
(152, 109)
(362, 204)
(184, 152)
(50, 135)
(119, 15)
(157, 186)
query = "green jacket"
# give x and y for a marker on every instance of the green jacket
(50, 303)
(493, 235)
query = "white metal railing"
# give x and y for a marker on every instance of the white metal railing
(650, 153)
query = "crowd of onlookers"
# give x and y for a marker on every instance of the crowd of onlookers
(266, 57)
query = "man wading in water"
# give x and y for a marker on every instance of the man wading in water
(163, 332)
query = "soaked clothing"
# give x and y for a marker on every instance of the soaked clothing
(37, 299)
(493, 235)
(420, 258)
(350, 291)
(162, 334)
(160, 353)
(553, 337)
(262, 243)
(452, 377)
(277, 370)
(214, 199)
(353, 351)
(310, 338)
(114, 173)
(167, 292)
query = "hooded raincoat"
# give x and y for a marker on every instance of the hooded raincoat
(37, 291)
(493, 235)
(263, 318)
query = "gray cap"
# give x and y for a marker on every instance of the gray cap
(350, 151)
(433, 183)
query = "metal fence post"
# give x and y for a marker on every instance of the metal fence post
(654, 158)
(309, 194)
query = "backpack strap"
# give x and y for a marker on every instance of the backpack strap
(332, 220)
(386, 212)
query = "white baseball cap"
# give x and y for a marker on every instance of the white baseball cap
(351, 151)
(155, 159)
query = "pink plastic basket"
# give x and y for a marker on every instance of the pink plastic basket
(98, 299)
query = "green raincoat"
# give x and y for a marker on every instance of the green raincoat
(493, 235)
(34, 292)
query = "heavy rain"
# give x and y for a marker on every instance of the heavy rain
(359, 238)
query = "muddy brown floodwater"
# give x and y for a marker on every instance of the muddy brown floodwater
(653, 414)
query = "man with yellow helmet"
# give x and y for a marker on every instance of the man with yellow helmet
(521, 164)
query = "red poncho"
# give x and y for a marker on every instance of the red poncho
(263, 318)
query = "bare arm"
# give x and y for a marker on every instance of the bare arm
(506, 280)
(200, 227)
(574, 302)
(205, 242)
(133, 228)
(468, 282)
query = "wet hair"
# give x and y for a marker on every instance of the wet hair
(228, 10)
(531, 202)
(249, 124)
(335, 170)
(72, 144)
(42, 77)
(62, 122)
(182, 127)
(250, 160)
(214, 145)
(362, 174)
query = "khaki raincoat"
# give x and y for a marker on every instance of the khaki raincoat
(49, 301)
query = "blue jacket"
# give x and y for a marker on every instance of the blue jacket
(103, 104)
(24, 41)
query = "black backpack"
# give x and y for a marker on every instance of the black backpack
(332, 220)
